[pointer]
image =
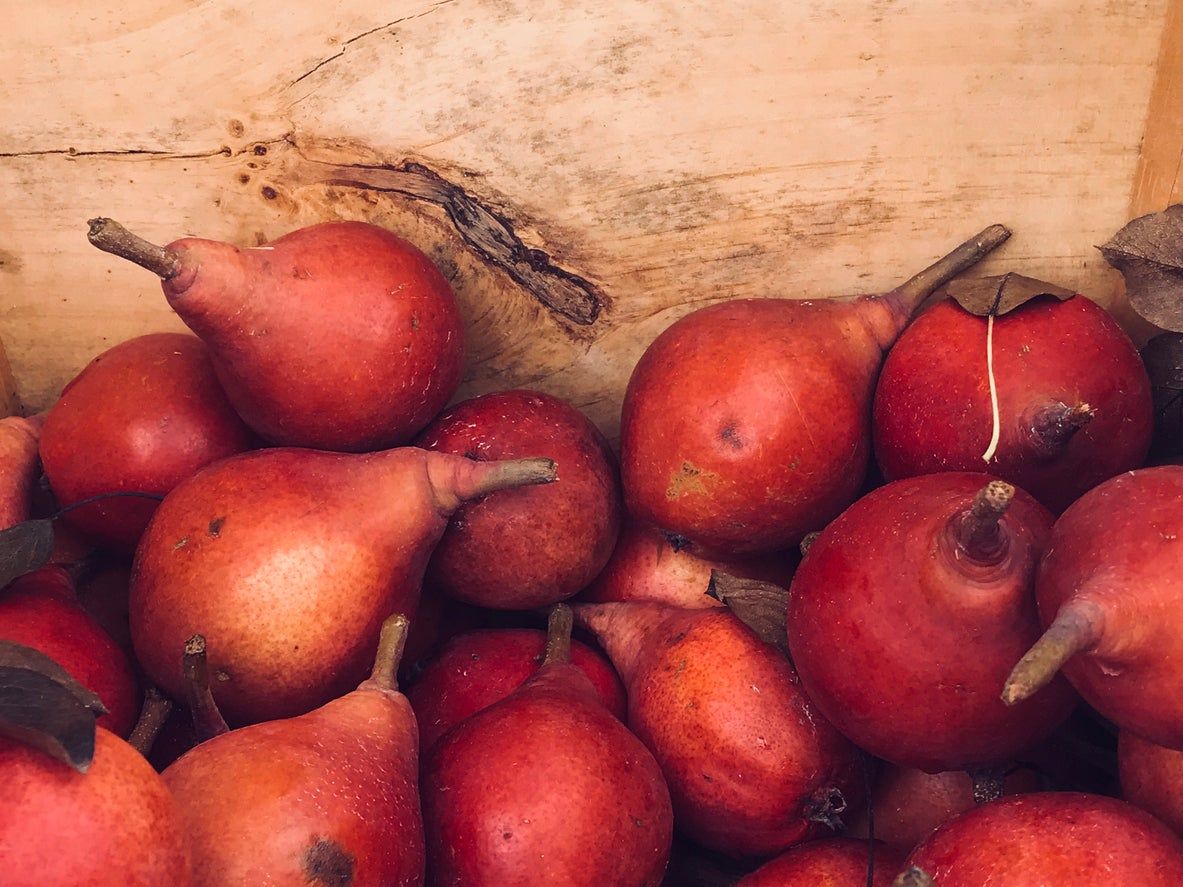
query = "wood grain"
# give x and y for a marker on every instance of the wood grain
(1158, 179)
(643, 158)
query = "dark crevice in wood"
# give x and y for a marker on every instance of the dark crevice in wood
(486, 231)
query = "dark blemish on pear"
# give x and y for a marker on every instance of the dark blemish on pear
(235, 128)
(215, 526)
(731, 436)
(325, 862)
(260, 150)
(269, 192)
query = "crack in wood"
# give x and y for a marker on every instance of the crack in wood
(347, 43)
(487, 232)
(224, 151)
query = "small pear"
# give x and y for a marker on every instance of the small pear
(546, 787)
(341, 336)
(327, 798)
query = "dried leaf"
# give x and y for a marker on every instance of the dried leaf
(24, 547)
(761, 606)
(1149, 254)
(14, 655)
(1163, 356)
(984, 296)
(43, 707)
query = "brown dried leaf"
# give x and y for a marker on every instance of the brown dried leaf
(24, 547)
(984, 296)
(43, 707)
(761, 606)
(1149, 254)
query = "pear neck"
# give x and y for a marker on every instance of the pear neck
(626, 630)
(894, 310)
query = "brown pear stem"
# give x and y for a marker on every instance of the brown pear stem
(558, 635)
(978, 529)
(808, 540)
(111, 237)
(157, 708)
(1076, 628)
(1053, 426)
(505, 475)
(914, 877)
(207, 719)
(915, 290)
(391, 643)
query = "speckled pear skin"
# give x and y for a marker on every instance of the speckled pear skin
(327, 798)
(1053, 839)
(287, 561)
(748, 759)
(116, 825)
(545, 787)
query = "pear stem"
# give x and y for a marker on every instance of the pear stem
(978, 528)
(157, 708)
(1053, 426)
(508, 474)
(914, 877)
(111, 237)
(391, 644)
(207, 719)
(915, 290)
(558, 635)
(1076, 628)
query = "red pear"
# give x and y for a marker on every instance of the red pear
(1110, 594)
(19, 468)
(329, 797)
(141, 417)
(288, 560)
(114, 826)
(339, 336)
(475, 670)
(526, 548)
(832, 862)
(910, 803)
(908, 612)
(1073, 398)
(649, 565)
(746, 425)
(752, 767)
(1151, 777)
(41, 610)
(1056, 839)
(546, 787)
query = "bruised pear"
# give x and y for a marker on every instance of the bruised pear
(288, 560)
(329, 797)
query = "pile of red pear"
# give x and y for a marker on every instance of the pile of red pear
(866, 595)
